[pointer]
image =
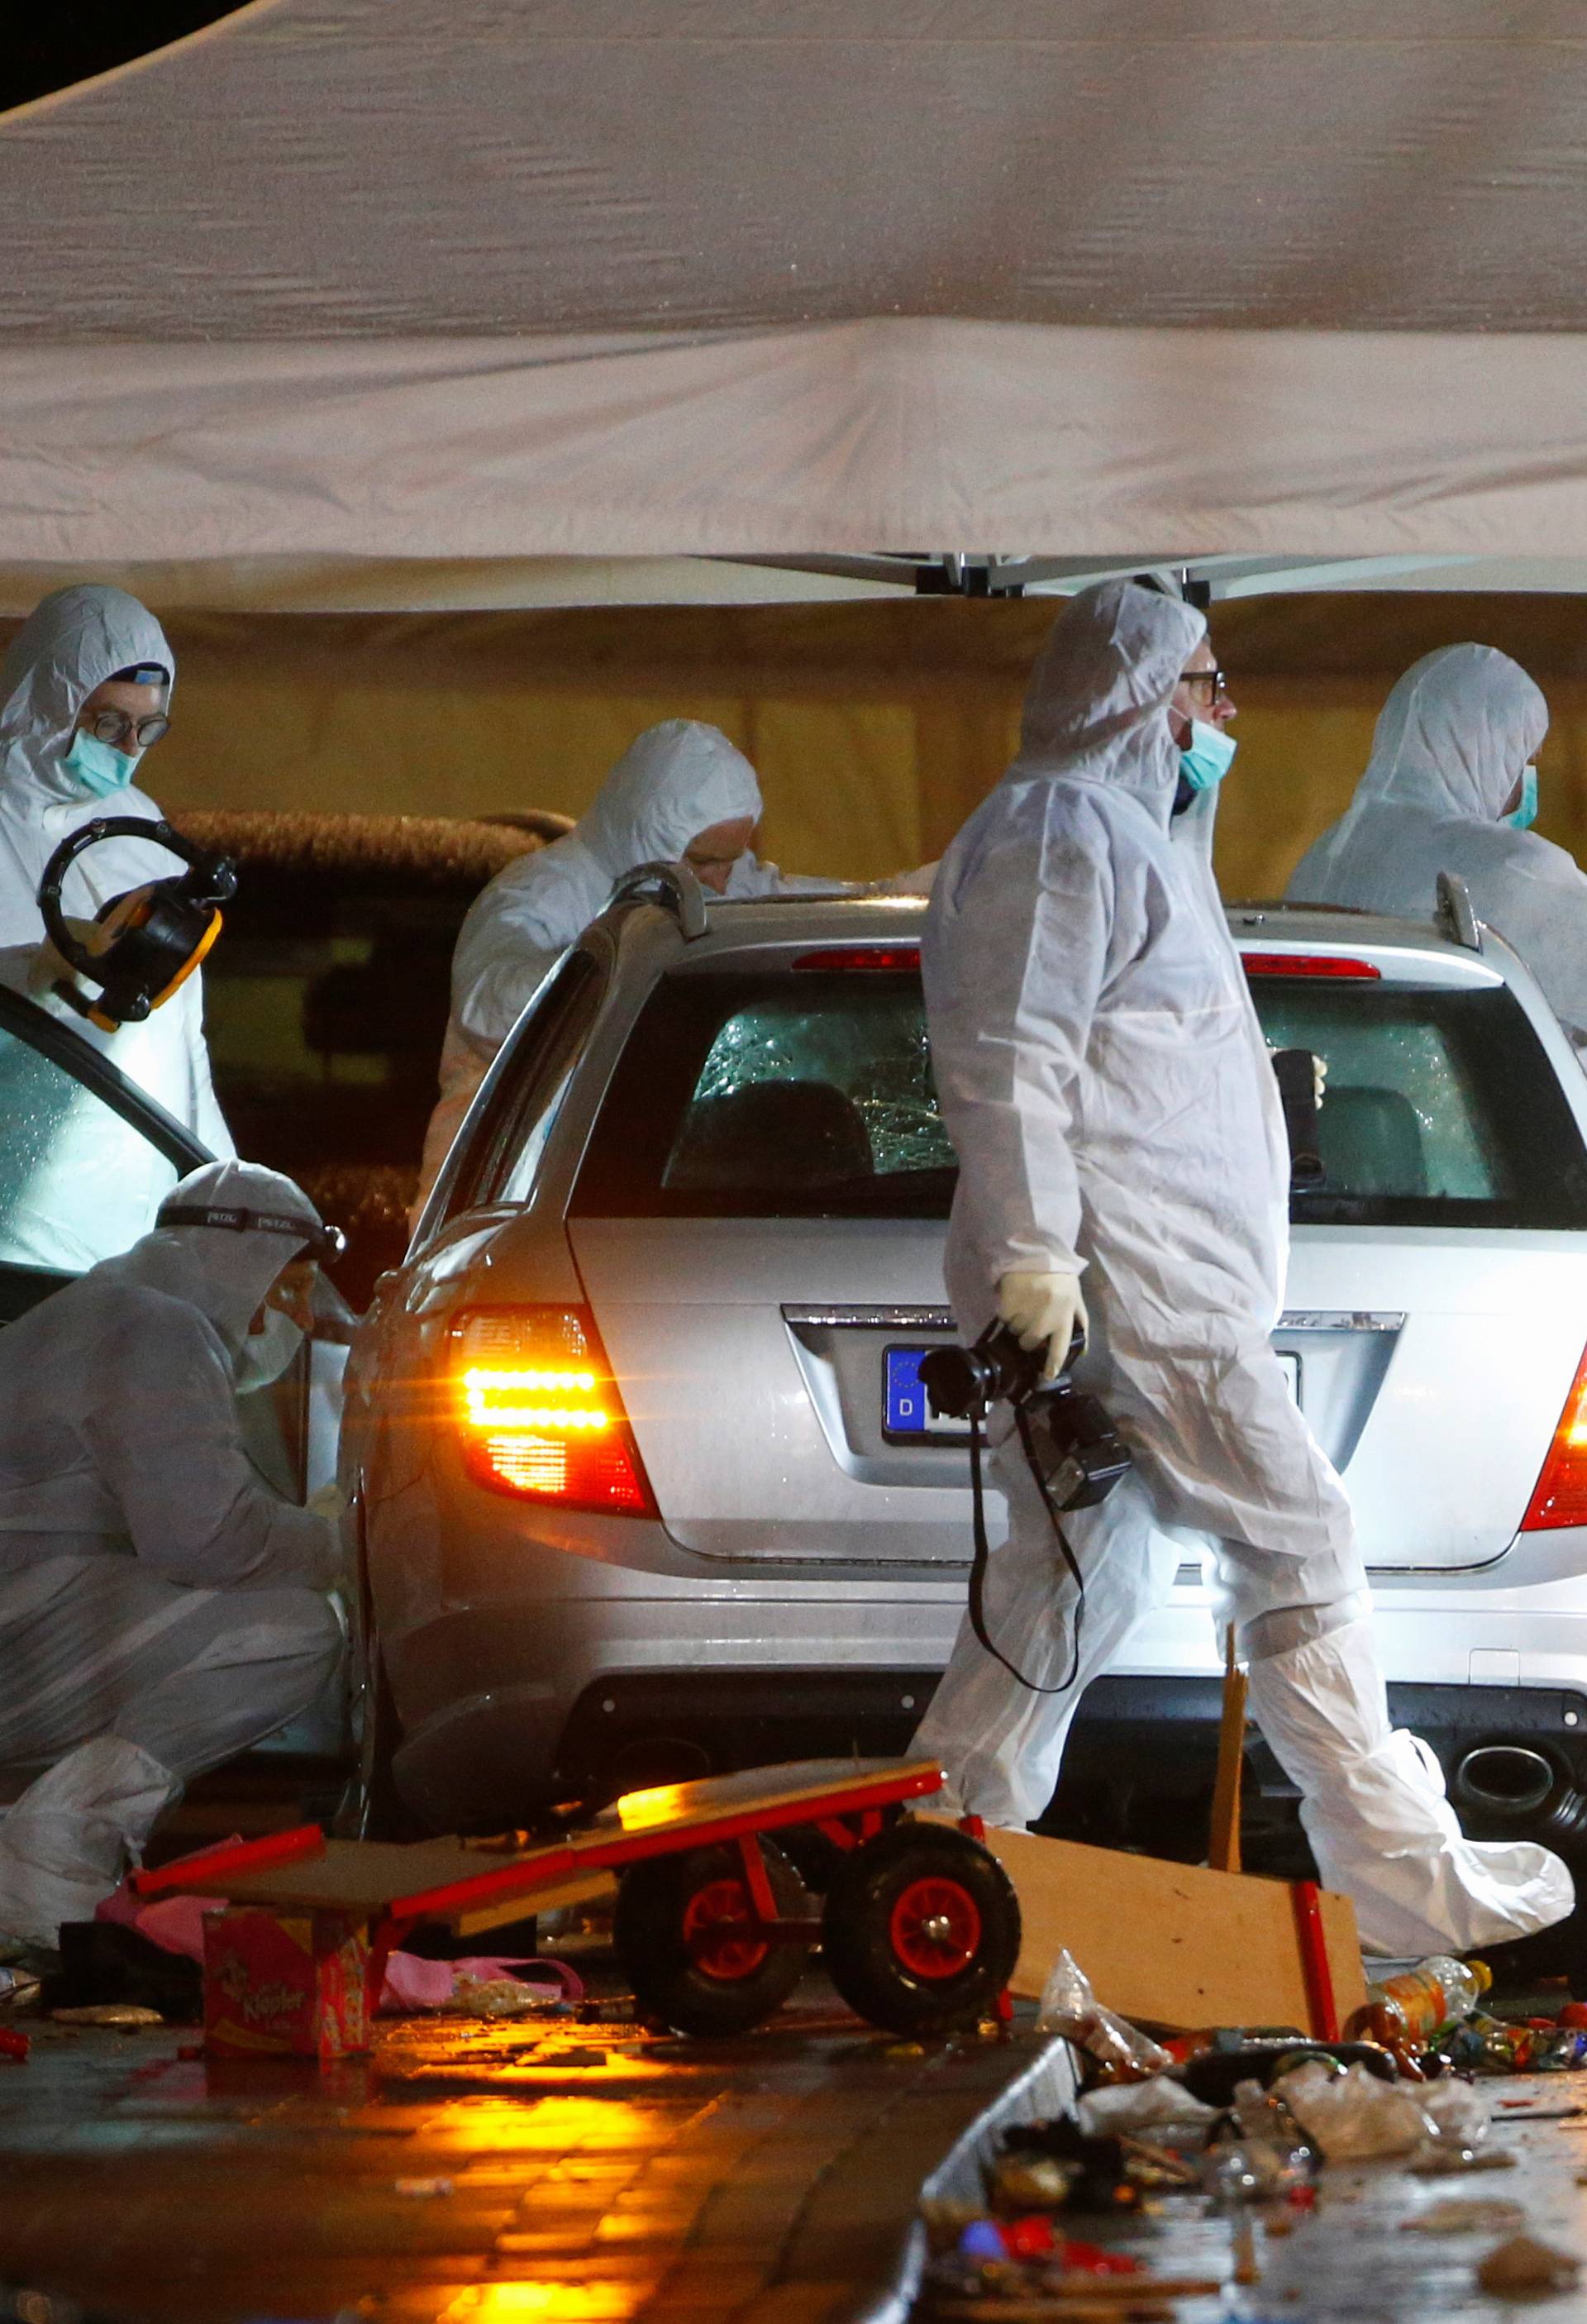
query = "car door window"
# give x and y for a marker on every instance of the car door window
(78, 1182)
(500, 1151)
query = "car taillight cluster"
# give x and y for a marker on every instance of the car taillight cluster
(1559, 1498)
(539, 1414)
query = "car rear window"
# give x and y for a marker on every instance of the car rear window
(810, 1096)
(775, 1096)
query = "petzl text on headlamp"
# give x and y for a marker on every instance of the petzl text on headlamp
(323, 1242)
(148, 941)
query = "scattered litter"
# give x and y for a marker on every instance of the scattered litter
(1070, 2007)
(1467, 2215)
(422, 2187)
(13, 2045)
(1409, 2011)
(1249, 2172)
(1247, 2268)
(1353, 2117)
(480, 1985)
(1119, 2106)
(126, 2016)
(1523, 2266)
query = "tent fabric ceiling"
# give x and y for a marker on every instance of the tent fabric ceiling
(494, 278)
(462, 167)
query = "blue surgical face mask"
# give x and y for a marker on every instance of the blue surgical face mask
(1524, 815)
(97, 766)
(1207, 757)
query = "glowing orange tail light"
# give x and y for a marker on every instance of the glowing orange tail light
(1560, 1495)
(539, 1414)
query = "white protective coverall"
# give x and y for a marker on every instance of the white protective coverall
(1450, 747)
(1107, 1085)
(70, 642)
(673, 782)
(161, 1605)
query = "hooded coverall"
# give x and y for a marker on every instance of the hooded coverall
(161, 1607)
(1104, 1080)
(1452, 742)
(71, 643)
(675, 781)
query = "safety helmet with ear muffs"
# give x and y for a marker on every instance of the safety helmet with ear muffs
(152, 938)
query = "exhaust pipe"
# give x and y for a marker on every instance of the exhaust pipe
(1521, 1788)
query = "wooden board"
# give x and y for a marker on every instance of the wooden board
(1173, 1943)
(815, 1784)
(578, 1888)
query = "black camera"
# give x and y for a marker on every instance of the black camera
(1068, 1438)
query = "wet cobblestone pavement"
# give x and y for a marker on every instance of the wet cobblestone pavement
(565, 2175)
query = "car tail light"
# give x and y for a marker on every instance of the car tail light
(1306, 963)
(539, 1413)
(880, 960)
(1560, 1495)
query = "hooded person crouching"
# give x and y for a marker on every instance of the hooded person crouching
(161, 1608)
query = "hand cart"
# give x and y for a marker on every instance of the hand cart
(918, 1930)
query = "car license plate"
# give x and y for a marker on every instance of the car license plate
(907, 1418)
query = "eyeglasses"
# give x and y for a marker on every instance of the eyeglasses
(118, 728)
(1210, 684)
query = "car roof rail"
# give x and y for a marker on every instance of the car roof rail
(671, 885)
(1455, 915)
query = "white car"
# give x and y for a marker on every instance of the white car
(706, 1179)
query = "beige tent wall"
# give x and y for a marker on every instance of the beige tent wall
(876, 726)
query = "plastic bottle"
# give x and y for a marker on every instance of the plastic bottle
(1410, 2008)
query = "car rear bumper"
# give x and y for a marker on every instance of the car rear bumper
(501, 1704)
(575, 1682)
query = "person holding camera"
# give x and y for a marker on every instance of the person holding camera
(1107, 1088)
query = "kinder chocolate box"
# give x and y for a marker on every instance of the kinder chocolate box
(285, 1983)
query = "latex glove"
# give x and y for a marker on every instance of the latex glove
(1042, 1310)
(47, 969)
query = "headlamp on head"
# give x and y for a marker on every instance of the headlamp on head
(321, 1243)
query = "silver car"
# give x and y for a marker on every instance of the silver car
(645, 1479)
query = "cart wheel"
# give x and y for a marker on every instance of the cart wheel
(683, 1935)
(921, 1929)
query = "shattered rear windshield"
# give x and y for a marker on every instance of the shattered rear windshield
(810, 1096)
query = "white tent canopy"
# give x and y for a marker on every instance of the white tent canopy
(393, 287)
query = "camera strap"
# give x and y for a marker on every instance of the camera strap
(982, 1551)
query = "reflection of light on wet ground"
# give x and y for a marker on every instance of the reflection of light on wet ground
(547, 2303)
(556, 2124)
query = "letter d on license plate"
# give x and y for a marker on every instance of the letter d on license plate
(907, 1418)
